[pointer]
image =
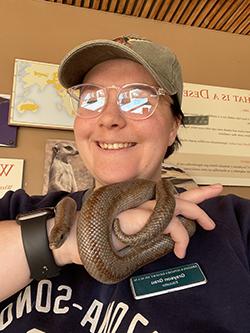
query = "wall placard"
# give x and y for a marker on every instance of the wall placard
(11, 175)
(216, 136)
(38, 99)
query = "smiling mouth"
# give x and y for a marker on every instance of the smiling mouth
(116, 145)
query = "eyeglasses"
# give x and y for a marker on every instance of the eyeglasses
(136, 100)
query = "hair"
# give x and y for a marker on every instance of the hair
(178, 114)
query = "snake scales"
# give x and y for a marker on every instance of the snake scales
(97, 220)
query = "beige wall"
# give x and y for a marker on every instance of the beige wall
(44, 31)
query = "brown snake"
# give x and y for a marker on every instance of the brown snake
(97, 221)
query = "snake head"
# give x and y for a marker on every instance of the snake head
(57, 237)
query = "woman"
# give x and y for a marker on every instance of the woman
(127, 118)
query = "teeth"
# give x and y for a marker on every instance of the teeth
(115, 145)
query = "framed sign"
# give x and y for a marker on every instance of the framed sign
(11, 175)
(216, 136)
(38, 99)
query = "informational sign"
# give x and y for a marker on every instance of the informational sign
(38, 99)
(11, 175)
(216, 136)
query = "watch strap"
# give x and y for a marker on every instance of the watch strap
(36, 245)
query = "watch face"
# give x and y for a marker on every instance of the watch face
(33, 214)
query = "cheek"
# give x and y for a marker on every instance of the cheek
(81, 134)
(168, 124)
(81, 128)
(78, 123)
(163, 131)
(76, 127)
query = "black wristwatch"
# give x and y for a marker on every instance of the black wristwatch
(36, 244)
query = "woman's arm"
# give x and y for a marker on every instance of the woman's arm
(14, 269)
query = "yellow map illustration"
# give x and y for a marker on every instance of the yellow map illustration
(38, 98)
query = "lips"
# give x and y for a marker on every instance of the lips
(115, 145)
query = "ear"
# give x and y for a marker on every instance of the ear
(55, 148)
(174, 130)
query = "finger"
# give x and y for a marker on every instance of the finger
(192, 211)
(200, 194)
(179, 235)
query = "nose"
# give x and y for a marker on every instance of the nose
(111, 116)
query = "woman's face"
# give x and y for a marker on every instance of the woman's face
(141, 143)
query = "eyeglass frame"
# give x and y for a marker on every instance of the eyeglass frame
(158, 90)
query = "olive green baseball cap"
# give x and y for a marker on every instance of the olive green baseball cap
(157, 59)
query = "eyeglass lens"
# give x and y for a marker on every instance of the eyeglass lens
(135, 101)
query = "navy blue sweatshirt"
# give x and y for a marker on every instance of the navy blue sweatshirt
(75, 302)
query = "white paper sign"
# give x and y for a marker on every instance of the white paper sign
(216, 138)
(11, 175)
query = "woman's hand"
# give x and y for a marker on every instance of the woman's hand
(133, 220)
(186, 205)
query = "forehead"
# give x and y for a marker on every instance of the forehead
(120, 71)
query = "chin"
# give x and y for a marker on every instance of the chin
(111, 178)
(114, 178)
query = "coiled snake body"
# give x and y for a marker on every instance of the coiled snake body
(97, 221)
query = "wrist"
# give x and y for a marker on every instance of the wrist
(67, 253)
(35, 243)
(60, 254)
